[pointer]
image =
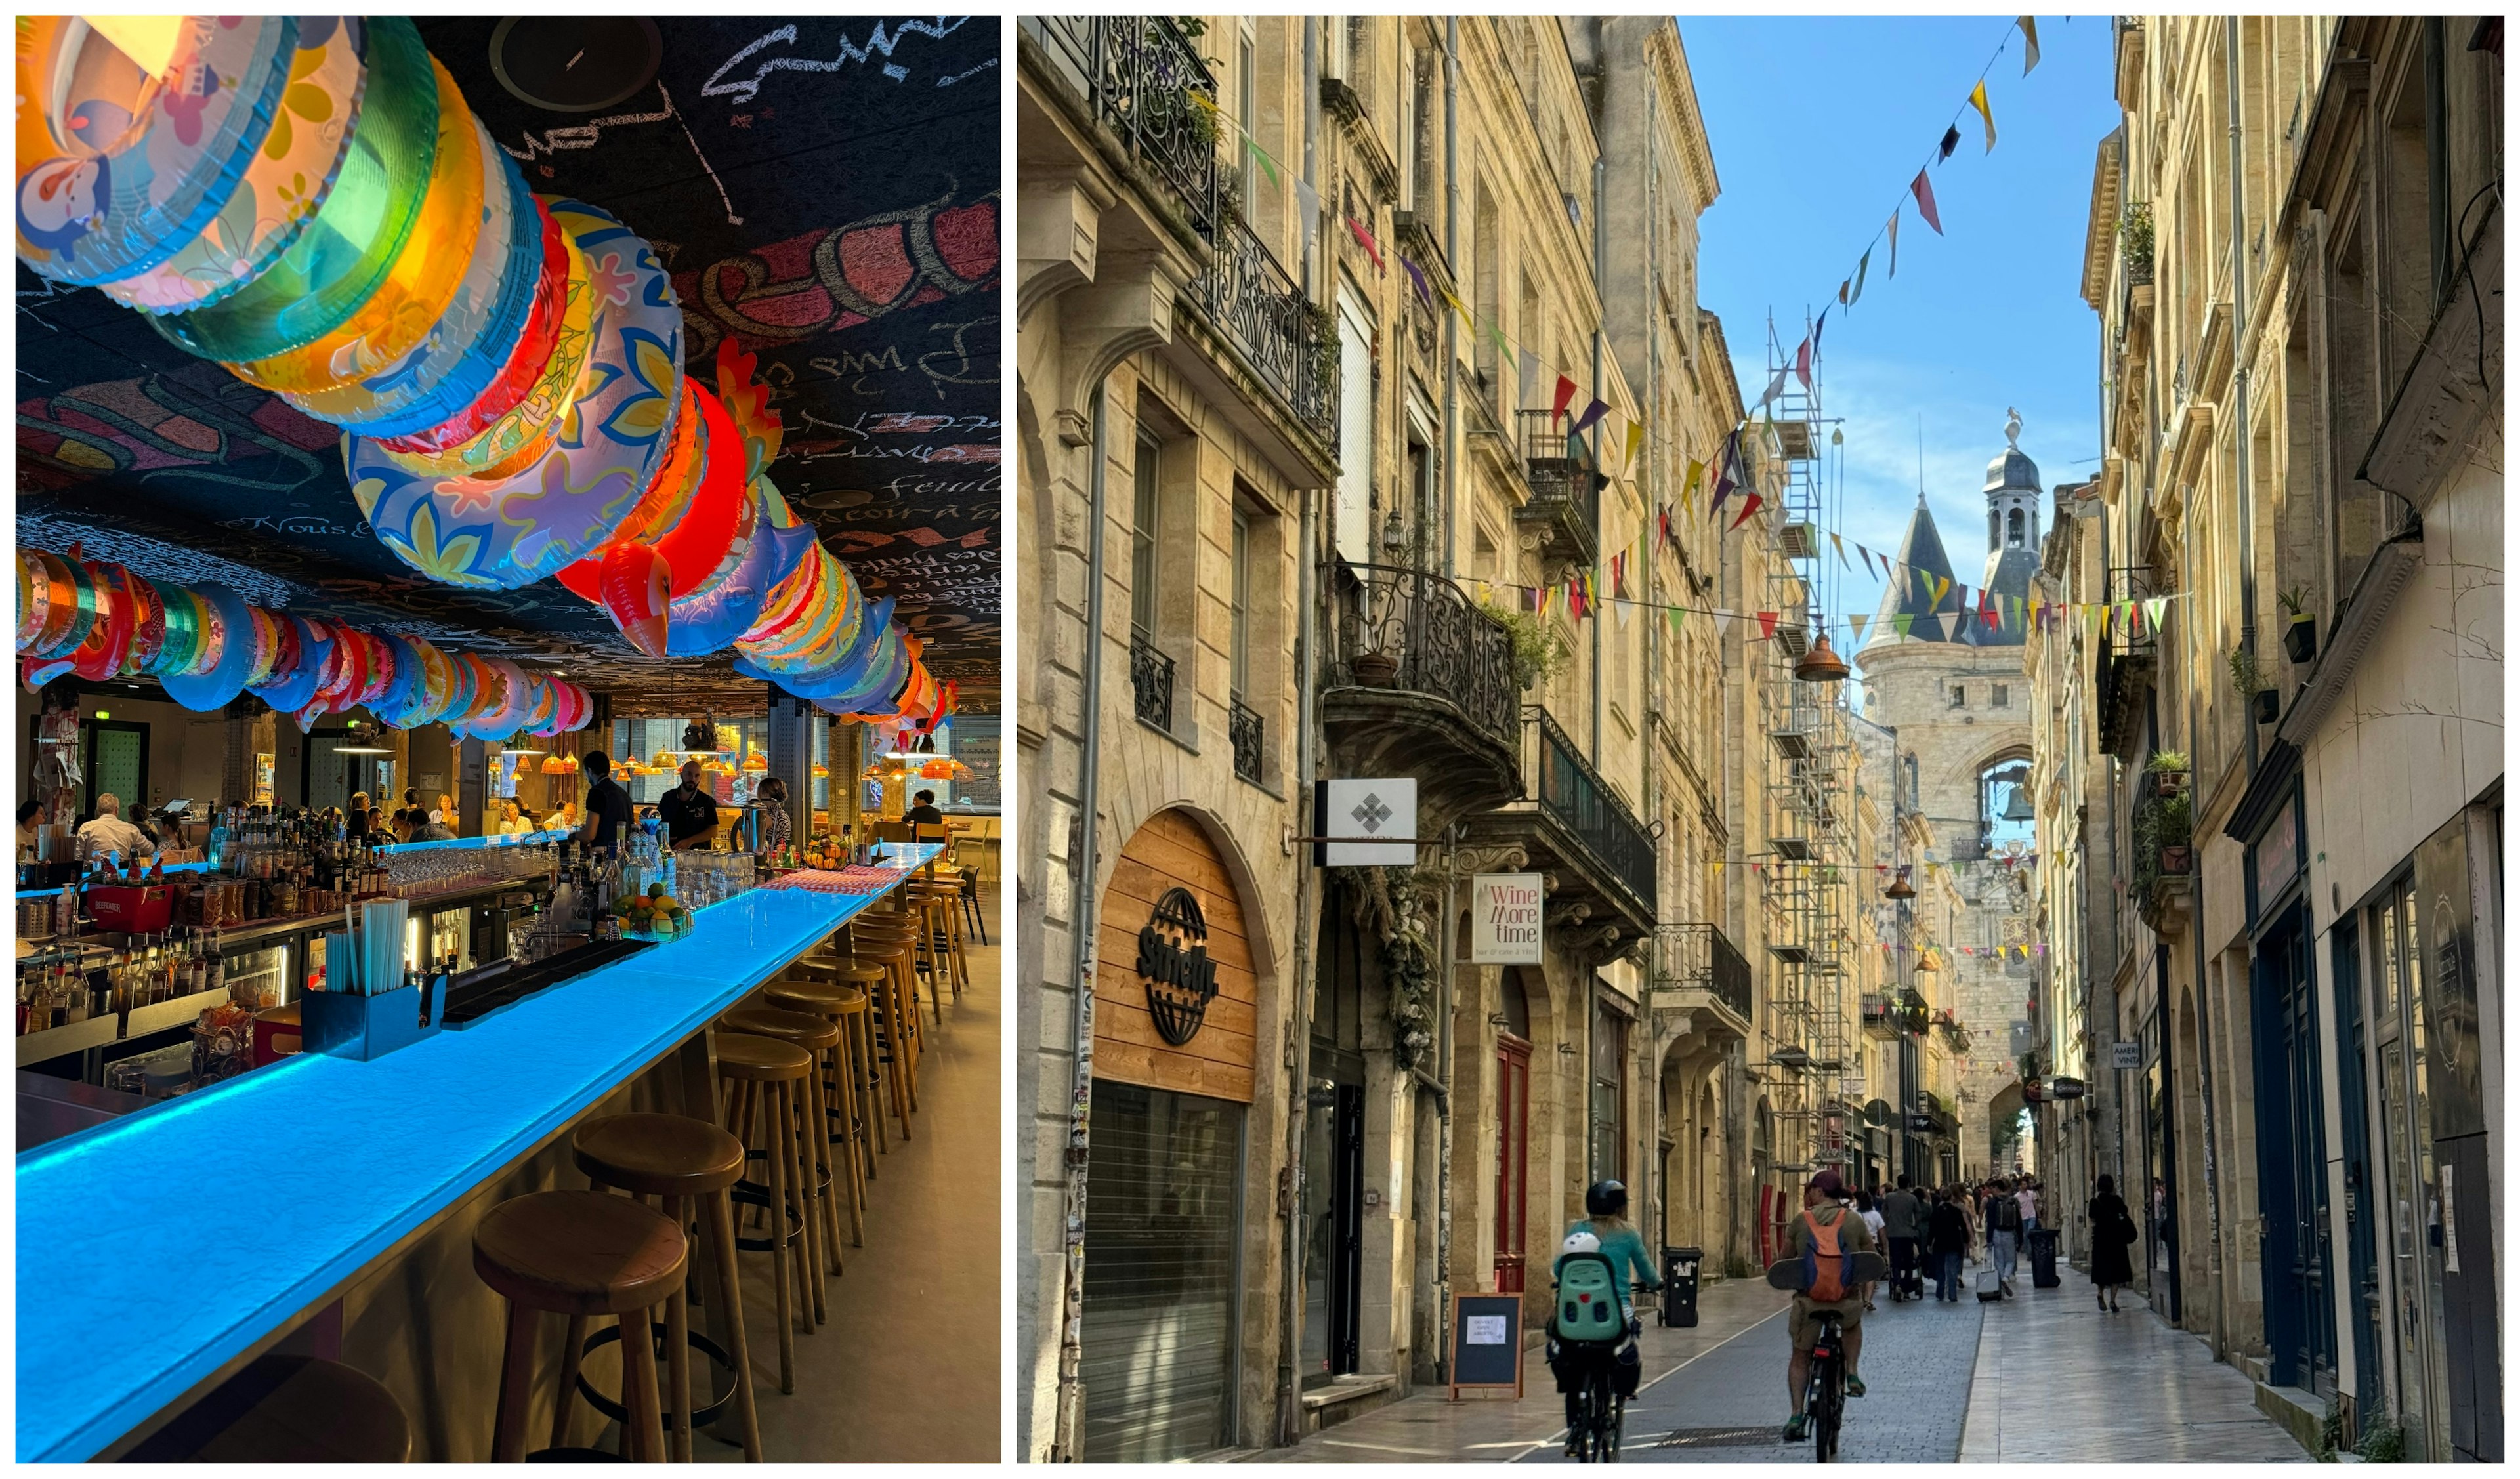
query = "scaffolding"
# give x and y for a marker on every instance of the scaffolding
(1807, 879)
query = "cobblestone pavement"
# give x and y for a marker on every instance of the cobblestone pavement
(1730, 1406)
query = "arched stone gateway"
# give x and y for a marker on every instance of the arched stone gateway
(2003, 1113)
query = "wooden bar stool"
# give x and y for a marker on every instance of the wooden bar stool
(286, 1410)
(896, 949)
(944, 903)
(845, 1008)
(580, 1254)
(871, 1082)
(822, 1186)
(910, 937)
(692, 1165)
(764, 1074)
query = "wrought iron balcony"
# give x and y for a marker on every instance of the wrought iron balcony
(1699, 958)
(2123, 664)
(1151, 673)
(1565, 499)
(1880, 1014)
(2162, 829)
(1285, 344)
(1143, 80)
(1249, 749)
(1566, 787)
(1420, 682)
(1409, 630)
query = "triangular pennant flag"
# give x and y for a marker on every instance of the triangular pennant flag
(1977, 99)
(1862, 266)
(1776, 387)
(1724, 462)
(1565, 396)
(1841, 544)
(1419, 278)
(2029, 43)
(1802, 362)
(1723, 622)
(1842, 285)
(1689, 486)
(1818, 328)
(1950, 624)
(1894, 246)
(1309, 202)
(1365, 239)
(1867, 562)
(1940, 586)
(1923, 190)
(1594, 411)
(1504, 349)
(1268, 165)
(1676, 613)
(2152, 610)
(1855, 626)
(1901, 622)
(1749, 506)
(1636, 445)
(1527, 366)
(1767, 625)
(1950, 141)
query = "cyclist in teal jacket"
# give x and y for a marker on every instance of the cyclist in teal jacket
(1621, 1242)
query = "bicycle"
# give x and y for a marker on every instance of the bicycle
(1824, 1398)
(1601, 1412)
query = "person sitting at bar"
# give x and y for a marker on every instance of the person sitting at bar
(513, 821)
(776, 828)
(446, 815)
(108, 832)
(359, 819)
(408, 816)
(31, 815)
(608, 805)
(690, 813)
(565, 819)
(924, 814)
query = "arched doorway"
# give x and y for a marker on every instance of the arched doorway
(2005, 1152)
(1514, 1129)
(1175, 1015)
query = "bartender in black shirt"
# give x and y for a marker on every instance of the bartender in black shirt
(689, 814)
(608, 805)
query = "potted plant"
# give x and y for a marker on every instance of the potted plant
(1539, 652)
(1375, 669)
(2300, 626)
(2249, 680)
(2172, 818)
(2134, 239)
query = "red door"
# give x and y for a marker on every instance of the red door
(1513, 1157)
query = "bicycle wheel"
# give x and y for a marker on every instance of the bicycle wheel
(1613, 1429)
(1829, 1406)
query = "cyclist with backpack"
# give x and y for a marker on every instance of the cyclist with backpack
(1820, 1238)
(1593, 1270)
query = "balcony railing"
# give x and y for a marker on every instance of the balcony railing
(1248, 734)
(1563, 495)
(1151, 673)
(1143, 80)
(1270, 322)
(1567, 786)
(2162, 829)
(1699, 958)
(2123, 661)
(1417, 633)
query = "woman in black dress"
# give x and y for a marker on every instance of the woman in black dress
(2112, 1232)
(1947, 1239)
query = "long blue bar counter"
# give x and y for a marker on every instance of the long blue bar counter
(155, 1249)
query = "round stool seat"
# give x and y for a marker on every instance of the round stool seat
(760, 1059)
(806, 1030)
(657, 1154)
(828, 999)
(579, 1252)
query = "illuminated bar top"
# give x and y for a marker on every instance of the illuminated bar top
(158, 1248)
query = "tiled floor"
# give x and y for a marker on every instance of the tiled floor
(906, 1367)
(2057, 1380)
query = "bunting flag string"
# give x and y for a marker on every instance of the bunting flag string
(1579, 598)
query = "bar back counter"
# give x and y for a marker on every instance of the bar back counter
(326, 1204)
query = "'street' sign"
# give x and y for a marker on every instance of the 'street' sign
(1504, 919)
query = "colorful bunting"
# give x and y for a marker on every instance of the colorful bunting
(1592, 412)
(2029, 43)
(1977, 99)
(1923, 190)
(1365, 239)
(1565, 397)
(1749, 506)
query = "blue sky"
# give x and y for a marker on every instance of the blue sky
(1816, 126)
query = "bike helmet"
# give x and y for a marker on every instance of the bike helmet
(1580, 1241)
(1606, 1199)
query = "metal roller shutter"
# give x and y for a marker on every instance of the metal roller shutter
(1163, 1206)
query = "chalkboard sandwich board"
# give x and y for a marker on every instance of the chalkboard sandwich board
(1487, 1343)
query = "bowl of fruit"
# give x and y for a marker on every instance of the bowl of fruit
(654, 915)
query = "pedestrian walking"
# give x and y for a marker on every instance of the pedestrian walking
(2113, 1234)
(1869, 1210)
(1903, 1220)
(1946, 1240)
(2002, 1233)
(2028, 1197)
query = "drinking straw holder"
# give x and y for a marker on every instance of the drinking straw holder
(368, 1027)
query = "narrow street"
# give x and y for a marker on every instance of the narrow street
(2044, 1376)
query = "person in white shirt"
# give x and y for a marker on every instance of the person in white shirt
(513, 822)
(108, 832)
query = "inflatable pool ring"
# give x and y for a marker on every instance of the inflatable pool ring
(883, 684)
(418, 286)
(285, 179)
(182, 625)
(637, 594)
(710, 618)
(275, 643)
(293, 679)
(844, 673)
(353, 241)
(695, 544)
(100, 656)
(117, 170)
(66, 608)
(146, 626)
(403, 660)
(515, 417)
(668, 495)
(462, 352)
(512, 532)
(229, 638)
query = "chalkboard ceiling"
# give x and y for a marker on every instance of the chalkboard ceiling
(824, 190)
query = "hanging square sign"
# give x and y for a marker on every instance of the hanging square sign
(1504, 919)
(1369, 812)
